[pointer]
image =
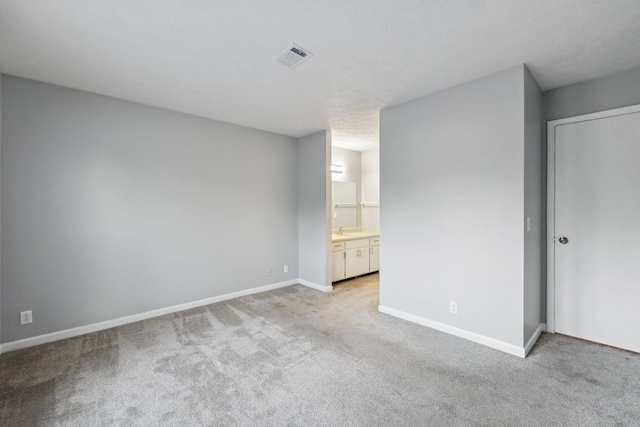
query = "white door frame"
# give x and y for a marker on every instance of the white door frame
(551, 199)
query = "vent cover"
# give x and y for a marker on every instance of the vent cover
(293, 56)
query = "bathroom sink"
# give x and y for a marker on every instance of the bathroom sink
(353, 235)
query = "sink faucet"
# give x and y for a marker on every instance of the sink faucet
(339, 232)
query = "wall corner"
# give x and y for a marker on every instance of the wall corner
(1, 115)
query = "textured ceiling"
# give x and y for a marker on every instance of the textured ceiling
(215, 58)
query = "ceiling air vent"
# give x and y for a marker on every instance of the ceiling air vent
(293, 56)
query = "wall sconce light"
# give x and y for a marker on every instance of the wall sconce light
(337, 168)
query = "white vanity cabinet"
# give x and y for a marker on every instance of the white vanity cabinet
(374, 254)
(337, 262)
(355, 257)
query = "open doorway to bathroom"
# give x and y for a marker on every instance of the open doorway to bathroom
(355, 212)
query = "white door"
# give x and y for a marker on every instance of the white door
(357, 262)
(374, 258)
(337, 266)
(597, 211)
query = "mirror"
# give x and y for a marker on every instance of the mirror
(344, 205)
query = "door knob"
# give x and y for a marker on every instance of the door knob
(563, 240)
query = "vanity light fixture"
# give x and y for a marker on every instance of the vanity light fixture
(337, 168)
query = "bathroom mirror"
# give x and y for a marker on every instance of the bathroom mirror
(344, 205)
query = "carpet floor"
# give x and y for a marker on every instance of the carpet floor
(295, 356)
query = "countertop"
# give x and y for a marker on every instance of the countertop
(354, 235)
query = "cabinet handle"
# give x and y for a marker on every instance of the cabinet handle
(371, 251)
(344, 255)
(358, 252)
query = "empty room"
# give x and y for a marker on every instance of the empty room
(329, 213)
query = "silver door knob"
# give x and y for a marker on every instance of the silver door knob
(563, 240)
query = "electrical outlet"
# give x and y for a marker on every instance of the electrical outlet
(269, 271)
(26, 317)
(286, 268)
(453, 307)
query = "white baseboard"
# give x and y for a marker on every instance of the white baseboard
(315, 286)
(534, 338)
(81, 330)
(462, 333)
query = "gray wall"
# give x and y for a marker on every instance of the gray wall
(452, 169)
(533, 196)
(314, 197)
(111, 208)
(605, 93)
(1, 98)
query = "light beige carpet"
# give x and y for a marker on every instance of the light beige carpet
(298, 357)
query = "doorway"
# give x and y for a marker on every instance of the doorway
(354, 209)
(593, 227)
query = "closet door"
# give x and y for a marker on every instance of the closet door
(597, 230)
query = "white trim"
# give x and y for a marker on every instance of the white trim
(315, 286)
(551, 203)
(551, 225)
(81, 330)
(534, 338)
(597, 115)
(471, 336)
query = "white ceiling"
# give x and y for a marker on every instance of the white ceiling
(215, 58)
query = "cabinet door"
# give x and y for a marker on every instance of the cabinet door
(337, 266)
(374, 258)
(357, 262)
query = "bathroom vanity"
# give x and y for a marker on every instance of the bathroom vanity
(354, 253)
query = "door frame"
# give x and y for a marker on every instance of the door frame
(551, 199)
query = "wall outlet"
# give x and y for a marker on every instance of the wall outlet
(269, 271)
(453, 307)
(26, 317)
(286, 268)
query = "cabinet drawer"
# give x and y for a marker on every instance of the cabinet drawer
(336, 247)
(360, 243)
(374, 241)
